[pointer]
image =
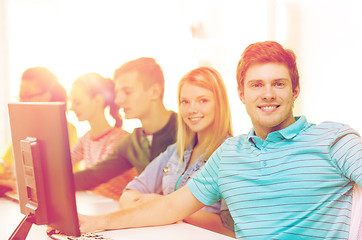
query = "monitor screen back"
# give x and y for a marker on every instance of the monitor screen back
(46, 122)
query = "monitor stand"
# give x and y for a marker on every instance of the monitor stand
(23, 228)
(32, 201)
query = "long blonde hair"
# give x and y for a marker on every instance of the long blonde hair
(210, 79)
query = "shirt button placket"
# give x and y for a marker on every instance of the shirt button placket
(263, 156)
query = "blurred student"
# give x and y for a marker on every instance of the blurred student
(139, 86)
(91, 95)
(286, 179)
(38, 84)
(204, 122)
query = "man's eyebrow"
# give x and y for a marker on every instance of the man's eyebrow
(281, 79)
(261, 80)
(254, 81)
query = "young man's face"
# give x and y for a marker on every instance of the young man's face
(269, 97)
(131, 95)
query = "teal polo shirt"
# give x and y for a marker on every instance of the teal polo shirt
(295, 184)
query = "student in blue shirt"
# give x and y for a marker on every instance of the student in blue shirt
(286, 179)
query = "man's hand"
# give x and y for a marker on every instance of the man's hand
(91, 223)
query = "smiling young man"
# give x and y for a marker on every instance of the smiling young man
(139, 86)
(286, 179)
(268, 95)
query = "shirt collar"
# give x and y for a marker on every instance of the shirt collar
(287, 133)
(294, 129)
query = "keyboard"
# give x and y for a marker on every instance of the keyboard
(84, 236)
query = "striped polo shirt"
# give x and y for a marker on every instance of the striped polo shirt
(295, 184)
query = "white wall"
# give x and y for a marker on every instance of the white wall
(72, 37)
(327, 37)
(75, 37)
(4, 76)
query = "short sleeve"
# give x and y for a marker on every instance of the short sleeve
(346, 152)
(204, 186)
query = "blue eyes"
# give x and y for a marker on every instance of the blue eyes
(276, 84)
(279, 84)
(256, 85)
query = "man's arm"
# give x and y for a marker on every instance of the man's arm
(210, 221)
(160, 211)
(114, 165)
(131, 198)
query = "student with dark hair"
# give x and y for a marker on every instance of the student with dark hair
(139, 87)
(286, 179)
(91, 95)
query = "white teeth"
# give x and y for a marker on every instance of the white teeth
(268, 108)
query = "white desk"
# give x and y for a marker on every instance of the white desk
(92, 204)
(179, 231)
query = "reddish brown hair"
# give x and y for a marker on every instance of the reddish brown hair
(266, 52)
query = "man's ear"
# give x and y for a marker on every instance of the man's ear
(156, 91)
(241, 95)
(296, 92)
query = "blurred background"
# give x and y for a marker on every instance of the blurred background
(72, 37)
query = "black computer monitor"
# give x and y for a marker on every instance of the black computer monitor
(43, 167)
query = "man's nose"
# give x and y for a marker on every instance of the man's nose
(120, 99)
(268, 92)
